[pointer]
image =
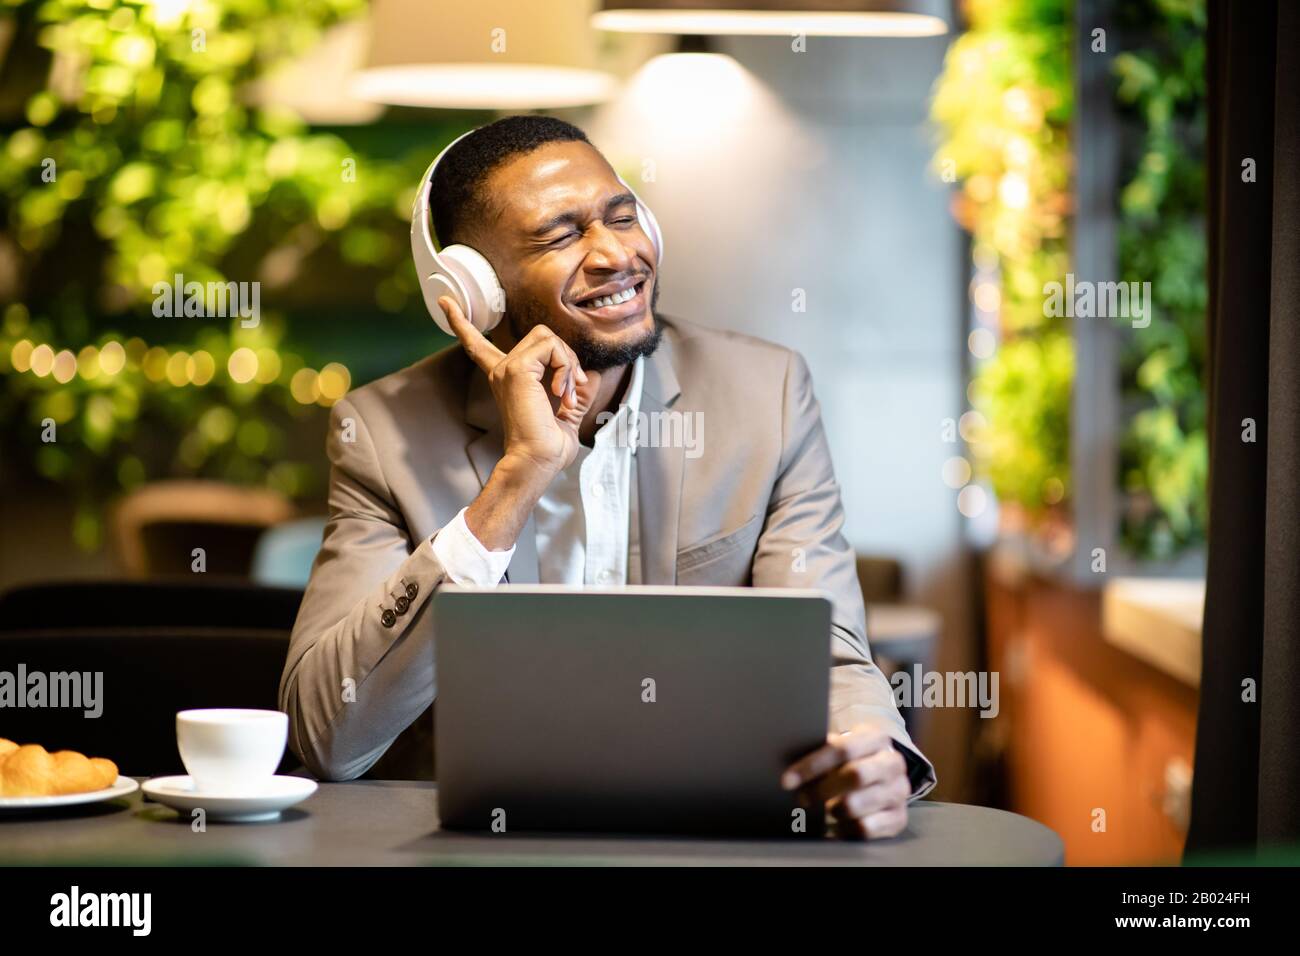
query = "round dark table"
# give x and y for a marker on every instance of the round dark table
(395, 823)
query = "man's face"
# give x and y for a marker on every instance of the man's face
(567, 238)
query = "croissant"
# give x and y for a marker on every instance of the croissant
(31, 771)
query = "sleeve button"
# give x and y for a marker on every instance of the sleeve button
(412, 590)
(401, 604)
(388, 618)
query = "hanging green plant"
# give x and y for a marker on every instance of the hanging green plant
(1003, 104)
(1160, 97)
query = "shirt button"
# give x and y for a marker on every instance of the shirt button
(598, 491)
(605, 576)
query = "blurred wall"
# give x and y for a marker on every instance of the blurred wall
(811, 171)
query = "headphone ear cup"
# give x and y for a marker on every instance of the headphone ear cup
(650, 226)
(484, 301)
(434, 288)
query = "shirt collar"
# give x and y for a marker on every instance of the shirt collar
(633, 398)
(626, 416)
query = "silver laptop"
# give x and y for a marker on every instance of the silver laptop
(632, 709)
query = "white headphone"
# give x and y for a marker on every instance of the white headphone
(463, 273)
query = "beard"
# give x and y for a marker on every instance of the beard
(593, 354)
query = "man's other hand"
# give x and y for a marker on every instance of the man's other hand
(860, 777)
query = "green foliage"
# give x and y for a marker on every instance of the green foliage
(1028, 388)
(1160, 91)
(143, 156)
(1004, 103)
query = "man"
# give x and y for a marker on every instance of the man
(501, 460)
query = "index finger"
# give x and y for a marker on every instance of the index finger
(482, 352)
(845, 747)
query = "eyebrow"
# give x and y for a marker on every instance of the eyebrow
(573, 216)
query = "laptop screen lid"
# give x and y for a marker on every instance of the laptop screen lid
(640, 708)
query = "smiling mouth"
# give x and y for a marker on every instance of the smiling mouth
(618, 305)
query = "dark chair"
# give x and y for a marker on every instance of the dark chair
(160, 647)
(156, 527)
(880, 578)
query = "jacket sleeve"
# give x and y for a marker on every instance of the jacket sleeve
(802, 546)
(360, 664)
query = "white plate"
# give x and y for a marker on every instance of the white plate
(280, 793)
(122, 787)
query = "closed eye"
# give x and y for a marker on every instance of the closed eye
(620, 221)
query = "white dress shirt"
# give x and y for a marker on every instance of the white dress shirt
(581, 520)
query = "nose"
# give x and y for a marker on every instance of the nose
(609, 253)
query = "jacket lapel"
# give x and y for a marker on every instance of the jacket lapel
(658, 473)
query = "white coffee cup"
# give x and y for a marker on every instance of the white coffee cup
(231, 752)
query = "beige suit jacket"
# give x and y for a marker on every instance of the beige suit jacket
(757, 505)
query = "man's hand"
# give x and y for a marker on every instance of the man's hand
(860, 777)
(539, 427)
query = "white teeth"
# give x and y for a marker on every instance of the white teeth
(614, 299)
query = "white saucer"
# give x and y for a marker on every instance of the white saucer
(279, 793)
(120, 788)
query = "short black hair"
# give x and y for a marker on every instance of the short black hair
(456, 198)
